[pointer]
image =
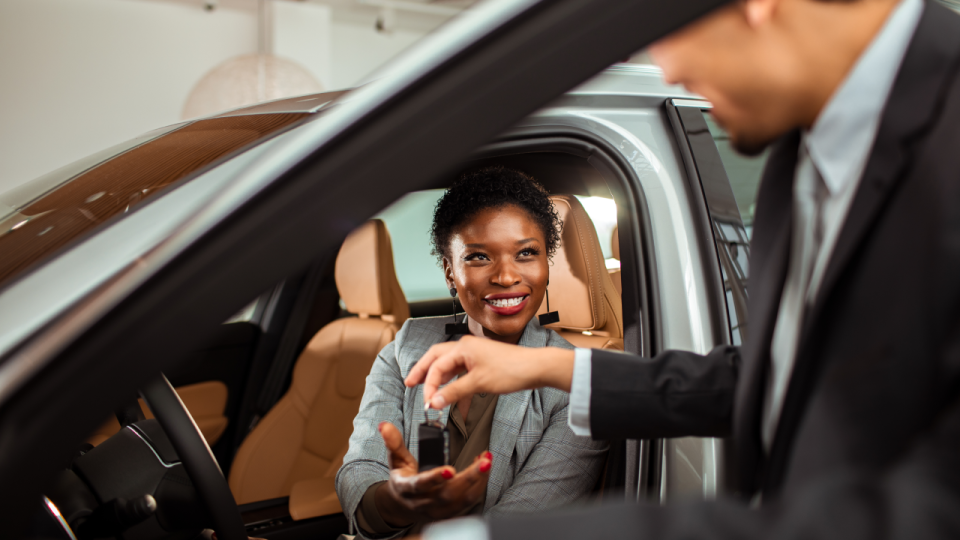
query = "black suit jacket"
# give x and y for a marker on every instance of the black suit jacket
(868, 442)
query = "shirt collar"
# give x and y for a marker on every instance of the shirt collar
(840, 141)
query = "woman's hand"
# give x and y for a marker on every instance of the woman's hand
(436, 494)
(491, 366)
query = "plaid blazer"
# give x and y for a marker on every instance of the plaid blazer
(538, 463)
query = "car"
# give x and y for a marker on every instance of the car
(125, 265)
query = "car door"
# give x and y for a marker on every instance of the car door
(725, 183)
(453, 93)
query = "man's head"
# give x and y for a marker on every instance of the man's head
(770, 66)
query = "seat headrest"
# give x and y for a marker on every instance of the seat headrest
(580, 287)
(615, 243)
(365, 275)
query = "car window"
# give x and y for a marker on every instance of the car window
(729, 181)
(27, 192)
(744, 172)
(603, 213)
(409, 220)
(123, 181)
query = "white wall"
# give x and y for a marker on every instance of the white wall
(358, 48)
(81, 75)
(301, 32)
(77, 76)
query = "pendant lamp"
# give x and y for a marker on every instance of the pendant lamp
(249, 79)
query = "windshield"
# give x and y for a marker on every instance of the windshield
(121, 181)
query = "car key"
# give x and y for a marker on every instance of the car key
(434, 445)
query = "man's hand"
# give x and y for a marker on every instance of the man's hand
(436, 494)
(491, 366)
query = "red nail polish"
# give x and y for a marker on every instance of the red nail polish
(488, 455)
(380, 426)
(485, 466)
(447, 474)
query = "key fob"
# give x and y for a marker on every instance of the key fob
(434, 445)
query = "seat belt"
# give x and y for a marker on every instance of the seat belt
(287, 353)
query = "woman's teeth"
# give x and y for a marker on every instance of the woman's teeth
(506, 302)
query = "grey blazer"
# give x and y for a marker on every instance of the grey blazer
(538, 463)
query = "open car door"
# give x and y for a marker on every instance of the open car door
(452, 93)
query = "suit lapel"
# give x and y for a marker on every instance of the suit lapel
(915, 100)
(916, 97)
(508, 419)
(769, 251)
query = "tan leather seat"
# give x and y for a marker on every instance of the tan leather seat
(591, 314)
(299, 445)
(615, 253)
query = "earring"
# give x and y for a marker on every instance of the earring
(549, 317)
(455, 328)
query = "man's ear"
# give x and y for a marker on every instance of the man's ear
(759, 12)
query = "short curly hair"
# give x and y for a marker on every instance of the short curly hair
(493, 187)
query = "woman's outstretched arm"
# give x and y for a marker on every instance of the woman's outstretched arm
(674, 394)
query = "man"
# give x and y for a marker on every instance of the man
(844, 404)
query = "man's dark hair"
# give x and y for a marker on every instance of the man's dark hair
(493, 187)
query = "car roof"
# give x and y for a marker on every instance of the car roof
(308, 103)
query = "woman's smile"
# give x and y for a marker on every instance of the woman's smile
(506, 303)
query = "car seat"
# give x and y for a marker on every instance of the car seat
(591, 313)
(615, 253)
(299, 445)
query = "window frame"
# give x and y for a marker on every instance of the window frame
(716, 210)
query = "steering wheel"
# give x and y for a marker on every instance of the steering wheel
(196, 457)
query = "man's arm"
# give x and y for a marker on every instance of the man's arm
(491, 366)
(675, 394)
(672, 395)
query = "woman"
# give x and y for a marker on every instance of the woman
(494, 232)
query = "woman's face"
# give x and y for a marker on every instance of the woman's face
(498, 263)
